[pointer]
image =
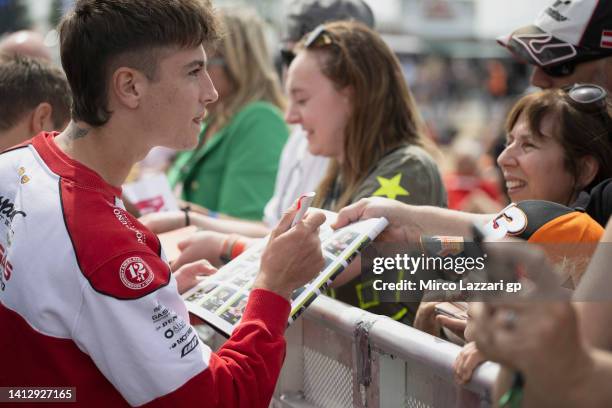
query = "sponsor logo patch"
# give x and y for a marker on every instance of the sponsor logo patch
(511, 221)
(123, 218)
(135, 273)
(189, 347)
(8, 210)
(555, 14)
(175, 331)
(538, 45)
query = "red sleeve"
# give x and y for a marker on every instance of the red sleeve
(243, 373)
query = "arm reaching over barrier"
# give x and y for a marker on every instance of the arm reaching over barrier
(408, 222)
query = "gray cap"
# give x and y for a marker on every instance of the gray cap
(304, 16)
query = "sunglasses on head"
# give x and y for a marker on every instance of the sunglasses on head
(591, 99)
(588, 97)
(316, 38)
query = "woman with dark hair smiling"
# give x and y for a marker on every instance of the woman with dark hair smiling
(558, 147)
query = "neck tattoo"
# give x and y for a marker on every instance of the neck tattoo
(77, 132)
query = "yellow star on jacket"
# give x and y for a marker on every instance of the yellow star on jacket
(391, 187)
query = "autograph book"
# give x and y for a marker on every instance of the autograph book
(220, 299)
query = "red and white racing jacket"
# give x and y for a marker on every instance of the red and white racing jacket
(86, 300)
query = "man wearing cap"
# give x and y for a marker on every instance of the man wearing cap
(569, 42)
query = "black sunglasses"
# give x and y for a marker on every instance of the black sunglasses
(561, 70)
(568, 67)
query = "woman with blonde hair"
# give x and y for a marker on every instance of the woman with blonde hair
(233, 169)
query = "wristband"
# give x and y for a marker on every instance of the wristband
(238, 248)
(513, 398)
(227, 247)
(186, 210)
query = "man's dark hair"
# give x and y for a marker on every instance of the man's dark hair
(25, 83)
(99, 36)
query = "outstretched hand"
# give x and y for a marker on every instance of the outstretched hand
(401, 217)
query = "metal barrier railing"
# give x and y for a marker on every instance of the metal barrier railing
(341, 356)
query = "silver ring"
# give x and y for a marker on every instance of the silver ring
(509, 319)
